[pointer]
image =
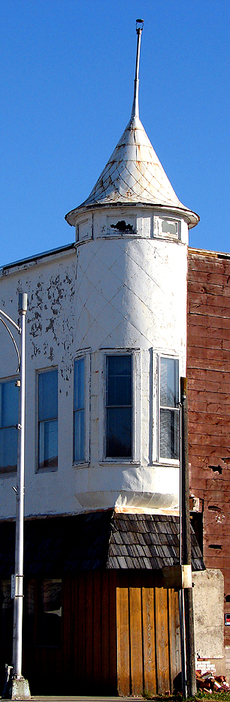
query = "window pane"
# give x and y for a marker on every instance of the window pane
(119, 391)
(169, 382)
(119, 365)
(79, 435)
(169, 227)
(119, 432)
(50, 607)
(79, 383)
(119, 406)
(169, 433)
(48, 444)
(9, 404)
(79, 414)
(48, 395)
(8, 449)
(8, 420)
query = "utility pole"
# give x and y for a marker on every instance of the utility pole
(186, 543)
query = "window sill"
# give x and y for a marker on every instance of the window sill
(81, 464)
(119, 461)
(7, 473)
(54, 469)
(164, 462)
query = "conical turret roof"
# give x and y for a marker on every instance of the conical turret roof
(134, 174)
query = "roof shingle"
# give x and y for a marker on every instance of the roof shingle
(96, 541)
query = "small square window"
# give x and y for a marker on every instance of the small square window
(121, 227)
(166, 228)
(8, 426)
(48, 419)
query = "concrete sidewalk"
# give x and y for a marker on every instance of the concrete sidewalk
(80, 698)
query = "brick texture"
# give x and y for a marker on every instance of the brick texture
(208, 373)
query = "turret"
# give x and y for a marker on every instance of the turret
(131, 241)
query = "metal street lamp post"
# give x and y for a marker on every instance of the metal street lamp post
(20, 687)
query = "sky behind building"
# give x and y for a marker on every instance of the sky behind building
(67, 70)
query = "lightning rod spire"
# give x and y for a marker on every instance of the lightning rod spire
(135, 107)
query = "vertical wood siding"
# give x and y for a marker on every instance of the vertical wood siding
(120, 635)
(148, 637)
(94, 633)
(86, 661)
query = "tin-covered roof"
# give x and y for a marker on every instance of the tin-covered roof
(133, 174)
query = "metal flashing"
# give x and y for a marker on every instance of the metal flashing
(30, 259)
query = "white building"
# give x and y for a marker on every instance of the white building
(106, 344)
(105, 347)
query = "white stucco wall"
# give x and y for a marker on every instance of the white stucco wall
(118, 292)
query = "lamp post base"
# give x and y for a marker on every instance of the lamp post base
(20, 689)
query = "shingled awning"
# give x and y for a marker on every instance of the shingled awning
(96, 541)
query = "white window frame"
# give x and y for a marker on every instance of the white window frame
(86, 354)
(50, 469)
(160, 459)
(157, 227)
(84, 228)
(136, 406)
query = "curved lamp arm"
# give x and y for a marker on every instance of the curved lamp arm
(12, 338)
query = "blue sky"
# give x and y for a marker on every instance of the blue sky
(67, 70)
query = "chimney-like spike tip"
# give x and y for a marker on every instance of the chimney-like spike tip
(135, 107)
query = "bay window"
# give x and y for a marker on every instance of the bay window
(169, 408)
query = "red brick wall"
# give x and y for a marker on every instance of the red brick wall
(208, 372)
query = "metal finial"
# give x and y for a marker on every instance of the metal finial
(135, 107)
(139, 25)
